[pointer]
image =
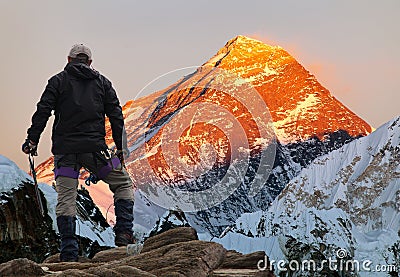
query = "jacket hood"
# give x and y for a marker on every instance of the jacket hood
(81, 70)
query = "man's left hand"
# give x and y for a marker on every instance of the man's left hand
(122, 154)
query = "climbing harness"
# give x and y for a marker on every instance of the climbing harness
(110, 163)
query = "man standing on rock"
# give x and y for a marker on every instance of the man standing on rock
(80, 98)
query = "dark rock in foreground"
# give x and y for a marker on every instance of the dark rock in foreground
(176, 252)
(21, 267)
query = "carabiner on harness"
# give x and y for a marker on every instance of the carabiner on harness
(107, 155)
(91, 179)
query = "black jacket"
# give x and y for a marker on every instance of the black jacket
(80, 98)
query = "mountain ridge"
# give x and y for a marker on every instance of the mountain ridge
(346, 199)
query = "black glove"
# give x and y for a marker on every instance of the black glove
(29, 147)
(122, 154)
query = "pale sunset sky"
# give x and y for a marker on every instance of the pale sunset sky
(351, 46)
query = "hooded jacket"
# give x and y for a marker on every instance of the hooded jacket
(80, 98)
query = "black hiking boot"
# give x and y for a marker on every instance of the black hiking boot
(124, 222)
(123, 239)
(69, 243)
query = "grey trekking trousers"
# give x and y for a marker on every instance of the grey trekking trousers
(66, 170)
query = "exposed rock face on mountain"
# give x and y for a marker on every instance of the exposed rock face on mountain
(170, 220)
(176, 252)
(23, 230)
(343, 205)
(308, 122)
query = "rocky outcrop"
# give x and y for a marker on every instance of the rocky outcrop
(21, 267)
(182, 234)
(175, 252)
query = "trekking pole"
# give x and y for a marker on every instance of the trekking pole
(33, 172)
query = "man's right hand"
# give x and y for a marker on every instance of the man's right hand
(29, 147)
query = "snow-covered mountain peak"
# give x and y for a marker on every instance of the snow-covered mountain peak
(299, 105)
